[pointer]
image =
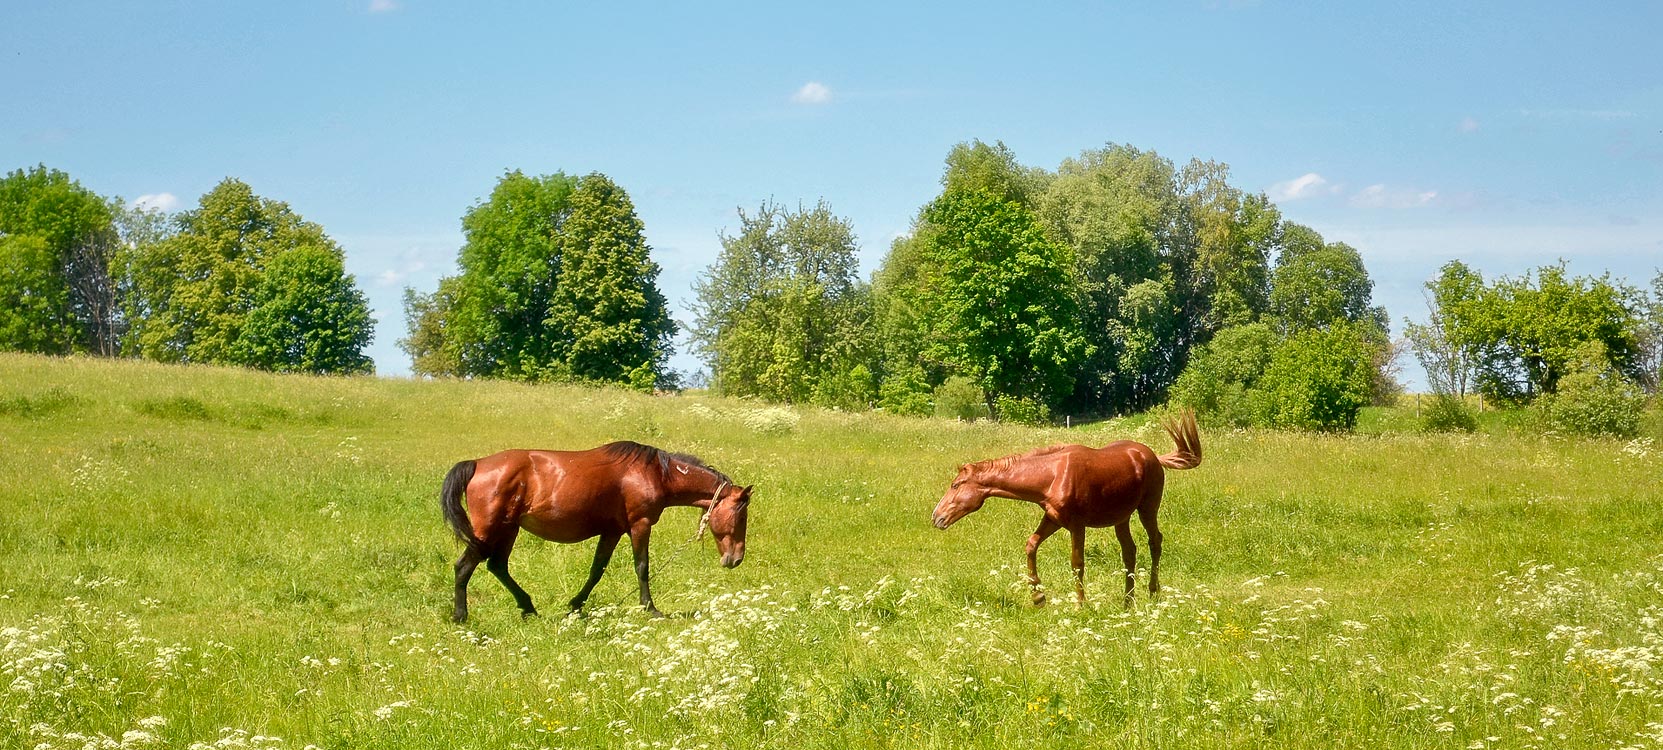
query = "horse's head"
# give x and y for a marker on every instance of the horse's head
(727, 523)
(964, 496)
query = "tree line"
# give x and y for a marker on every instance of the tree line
(1116, 282)
(1581, 352)
(1023, 293)
(237, 280)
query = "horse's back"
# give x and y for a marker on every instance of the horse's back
(562, 496)
(1110, 482)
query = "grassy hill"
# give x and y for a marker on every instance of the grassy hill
(195, 555)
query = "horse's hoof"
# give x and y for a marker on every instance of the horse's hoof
(528, 614)
(459, 618)
(1039, 600)
(653, 613)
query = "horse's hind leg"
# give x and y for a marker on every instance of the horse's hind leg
(603, 555)
(1128, 555)
(1078, 537)
(497, 563)
(1047, 527)
(470, 559)
(1148, 513)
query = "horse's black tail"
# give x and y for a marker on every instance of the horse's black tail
(450, 502)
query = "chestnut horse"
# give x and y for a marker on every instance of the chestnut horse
(569, 496)
(1080, 487)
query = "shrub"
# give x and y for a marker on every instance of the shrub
(1448, 414)
(1218, 383)
(1594, 399)
(1022, 410)
(905, 392)
(1318, 379)
(960, 398)
(851, 390)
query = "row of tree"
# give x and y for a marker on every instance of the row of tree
(1110, 284)
(238, 280)
(1086, 289)
(1581, 351)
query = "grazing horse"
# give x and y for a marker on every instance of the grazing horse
(1080, 487)
(569, 496)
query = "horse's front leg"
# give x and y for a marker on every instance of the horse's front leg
(1128, 555)
(1047, 527)
(639, 535)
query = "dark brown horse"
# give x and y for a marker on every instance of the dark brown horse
(1080, 487)
(569, 496)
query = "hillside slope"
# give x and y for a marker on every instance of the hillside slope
(238, 552)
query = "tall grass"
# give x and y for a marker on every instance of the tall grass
(195, 557)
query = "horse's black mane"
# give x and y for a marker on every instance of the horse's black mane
(629, 450)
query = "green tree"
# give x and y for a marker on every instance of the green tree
(1451, 345)
(1537, 325)
(1317, 283)
(613, 322)
(781, 311)
(425, 323)
(1000, 309)
(307, 316)
(1592, 397)
(992, 168)
(1115, 208)
(77, 229)
(509, 267)
(193, 292)
(34, 308)
(1649, 335)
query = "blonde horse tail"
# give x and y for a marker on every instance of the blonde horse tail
(1188, 439)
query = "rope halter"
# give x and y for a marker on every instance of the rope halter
(704, 519)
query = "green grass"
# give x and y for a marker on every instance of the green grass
(196, 555)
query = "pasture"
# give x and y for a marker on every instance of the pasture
(198, 557)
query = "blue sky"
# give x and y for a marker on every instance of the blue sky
(1509, 136)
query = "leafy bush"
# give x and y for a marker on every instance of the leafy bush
(1319, 379)
(853, 390)
(905, 392)
(1594, 399)
(1448, 414)
(1218, 383)
(960, 398)
(1022, 410)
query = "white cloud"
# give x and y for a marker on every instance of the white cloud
(391, 276)
(157, 202)
(383, 6)
(1469, 125)
(813, 92)
(1306, 185)
(1380, 196)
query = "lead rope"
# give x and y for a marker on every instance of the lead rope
(704, 522)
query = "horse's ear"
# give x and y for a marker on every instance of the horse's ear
(745, 494)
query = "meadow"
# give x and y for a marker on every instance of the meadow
(215, 558)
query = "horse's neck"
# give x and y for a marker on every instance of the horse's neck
(1020, 478)
(697, 486)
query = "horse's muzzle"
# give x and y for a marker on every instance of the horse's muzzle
(942, 521)
(732, 561)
